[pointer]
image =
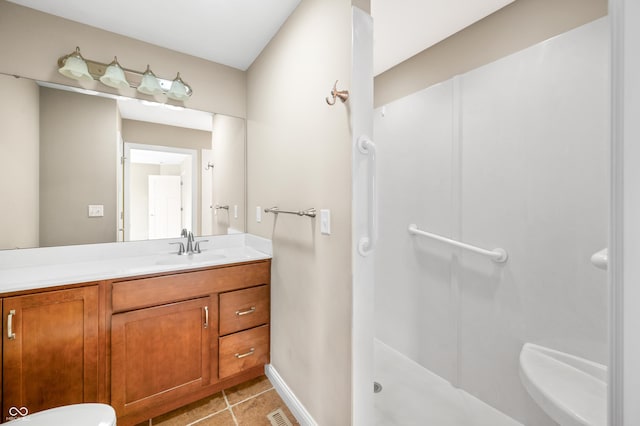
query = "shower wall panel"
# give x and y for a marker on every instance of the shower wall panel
(534, 180)
(415, 301)
(512, 155)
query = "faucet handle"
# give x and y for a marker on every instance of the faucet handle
(197, 247)
(180, 248)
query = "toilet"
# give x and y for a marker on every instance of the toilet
(71, 415)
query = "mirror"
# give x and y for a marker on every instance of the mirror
(84, 167)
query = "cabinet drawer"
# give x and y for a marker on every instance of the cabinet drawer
(243, 350)
(145, 292)
(243, 309)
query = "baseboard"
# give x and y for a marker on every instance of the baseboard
(297, 409)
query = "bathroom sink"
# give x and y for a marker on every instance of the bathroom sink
(190, 259)
(570, 389)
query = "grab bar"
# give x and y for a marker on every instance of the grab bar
(497, 255)
(309, 212)
(367, 243)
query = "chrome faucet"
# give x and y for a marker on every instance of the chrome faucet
(193, 246)
(189, 248)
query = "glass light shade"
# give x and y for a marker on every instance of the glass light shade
(114, 76)
(178, 90)
(75, 67)
(149, 84)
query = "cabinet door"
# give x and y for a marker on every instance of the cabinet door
(161, 353)
(50, 344)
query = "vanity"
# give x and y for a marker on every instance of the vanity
(132, 325)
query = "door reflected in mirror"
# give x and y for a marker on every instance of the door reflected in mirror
(160, 191)
(154, 169)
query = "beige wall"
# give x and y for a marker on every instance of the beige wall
(299, 156)
(78, 142)
(31, 43)
(228, 174)
(160, 134)
(19, 151)
(521, 24)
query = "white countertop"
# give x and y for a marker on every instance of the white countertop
(27, 269)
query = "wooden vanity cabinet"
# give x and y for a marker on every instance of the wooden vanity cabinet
(161, 353)
(146, 345)
(166, 336)
(50, 349)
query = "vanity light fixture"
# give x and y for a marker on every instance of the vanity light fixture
(178, 90)
(74, 66)
(114, 75)
(149, 84)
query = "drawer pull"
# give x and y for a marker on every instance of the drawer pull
(10, 334)
(248, 311)
(206, 317)
(251, 351)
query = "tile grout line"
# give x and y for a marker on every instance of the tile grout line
(228, 407)
(208, 416)
(235, 421)
(251, 397)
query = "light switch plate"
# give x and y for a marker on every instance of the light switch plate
(96, 210)
(258, 214)
(235, 211)
(325, 222)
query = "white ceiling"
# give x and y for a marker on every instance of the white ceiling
(230, 32)
(234, 32)
(403, 28)
(151, 156)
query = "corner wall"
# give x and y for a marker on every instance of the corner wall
(228, 183)
(19, 174)
(77, 142)
(299, 156)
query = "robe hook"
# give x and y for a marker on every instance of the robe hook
(335, 93)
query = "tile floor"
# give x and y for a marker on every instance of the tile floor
(246, 404)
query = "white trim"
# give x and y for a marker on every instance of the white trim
(362, 268)
(299, 411)
(616, 221)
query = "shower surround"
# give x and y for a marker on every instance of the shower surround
(514, 155)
